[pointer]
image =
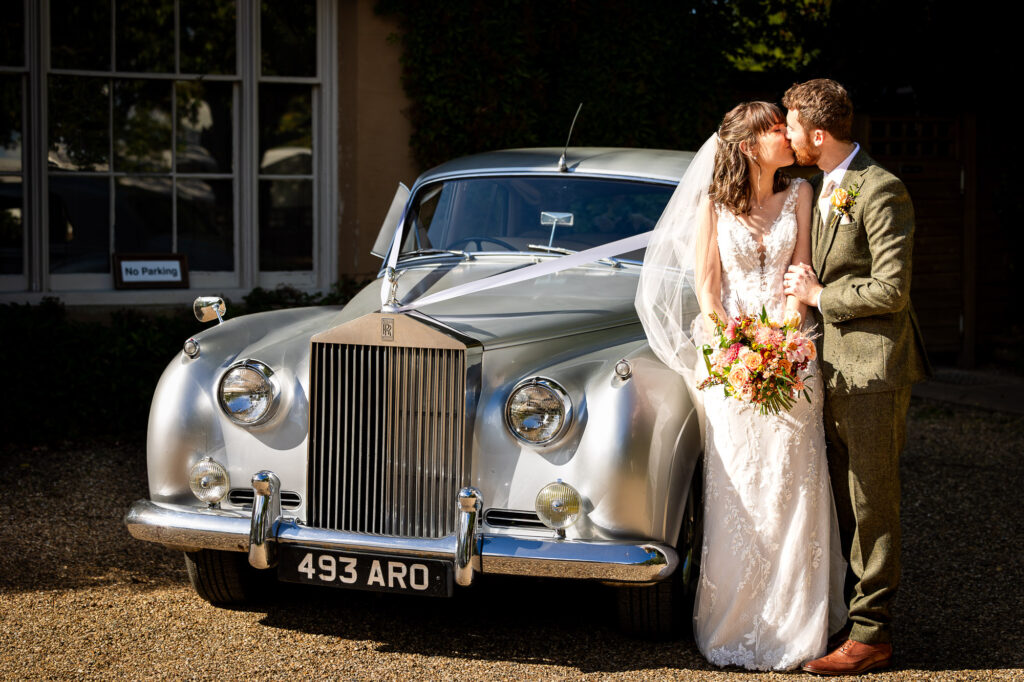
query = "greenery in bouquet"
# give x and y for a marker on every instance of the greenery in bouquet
(759, 361)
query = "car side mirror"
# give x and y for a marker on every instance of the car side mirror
(387, 228)
(208, 308)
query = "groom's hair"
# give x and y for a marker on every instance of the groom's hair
(822, 104)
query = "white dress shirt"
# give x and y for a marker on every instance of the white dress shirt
(835, 176)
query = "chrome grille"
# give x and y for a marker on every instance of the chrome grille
(385, 439)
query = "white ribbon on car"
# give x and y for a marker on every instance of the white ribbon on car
(547, 267)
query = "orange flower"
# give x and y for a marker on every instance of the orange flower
(839, 197)
(752, 361)
(811, 350)
(738, 376)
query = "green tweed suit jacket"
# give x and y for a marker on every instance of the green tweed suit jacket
(870, 338)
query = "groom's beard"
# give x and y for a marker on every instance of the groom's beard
(806, 155)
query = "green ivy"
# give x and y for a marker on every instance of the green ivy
(510, 73)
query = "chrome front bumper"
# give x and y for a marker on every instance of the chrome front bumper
(471, 551)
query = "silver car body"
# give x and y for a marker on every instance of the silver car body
(630, 449)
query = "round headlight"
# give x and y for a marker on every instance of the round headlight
(558, 505)
(209, 481)
(538, 411)
(248, 392)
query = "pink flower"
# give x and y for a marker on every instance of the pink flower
(763, 335)
(730, 330)
(732, 353)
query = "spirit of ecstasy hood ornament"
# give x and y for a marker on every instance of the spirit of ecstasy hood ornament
(392, 304)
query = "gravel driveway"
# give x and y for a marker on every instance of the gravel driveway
(80, 599)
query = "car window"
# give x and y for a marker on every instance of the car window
(511, 213)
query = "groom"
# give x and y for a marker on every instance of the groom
(862, 234)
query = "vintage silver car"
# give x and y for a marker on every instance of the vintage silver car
(447, 423)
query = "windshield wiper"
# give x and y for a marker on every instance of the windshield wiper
(568, 252)
(433, 252)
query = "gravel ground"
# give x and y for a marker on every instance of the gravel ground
(79, 598)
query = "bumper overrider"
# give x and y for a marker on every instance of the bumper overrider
(470, 551)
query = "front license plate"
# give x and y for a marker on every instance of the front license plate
(360, 571)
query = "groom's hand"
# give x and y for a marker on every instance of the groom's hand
(801, 282)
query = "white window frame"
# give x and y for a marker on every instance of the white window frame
(96, 288)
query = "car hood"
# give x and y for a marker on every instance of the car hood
(572, 301)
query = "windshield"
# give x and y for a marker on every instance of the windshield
(517, 213)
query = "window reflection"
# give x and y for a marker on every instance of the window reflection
(10, 123)
(145, 36)
(206, 224)
(286, 225)
(207, 36)
(204, 127)
(79, 232)
(78, 131)
(288, 38)
(286, 129)
(12, 233)
(142, 125)
(12, 34)
(80, 34)
(142, 215)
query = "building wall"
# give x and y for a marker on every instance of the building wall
(373, 132)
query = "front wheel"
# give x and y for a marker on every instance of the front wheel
(225, 578)
(664, 610)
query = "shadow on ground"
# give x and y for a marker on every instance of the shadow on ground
(959, 604)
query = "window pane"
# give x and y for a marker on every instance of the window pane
(207, 36)
(79, 118)
(142, 126)
(12, 234)
(142, 215)
(145, 36)
(286, 225)
(206, 231)
(288, 38)
(80, 34)
(12, 33)
(79, 227)
(10, 122)
(286, 129)
(204, 127)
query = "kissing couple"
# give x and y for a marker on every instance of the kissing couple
(801, 552)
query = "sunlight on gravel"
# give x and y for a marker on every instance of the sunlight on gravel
(81, 599)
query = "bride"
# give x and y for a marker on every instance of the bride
(771, 574)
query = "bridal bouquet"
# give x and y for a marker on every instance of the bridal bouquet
(757, 361)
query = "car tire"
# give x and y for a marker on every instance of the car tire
(664, 610)
(224, 578)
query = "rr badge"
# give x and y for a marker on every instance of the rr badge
(387, 328)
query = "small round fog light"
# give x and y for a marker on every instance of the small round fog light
(209, 481)
(623, 369)
(558, 505)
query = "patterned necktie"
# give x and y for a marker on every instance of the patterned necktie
(824, 199)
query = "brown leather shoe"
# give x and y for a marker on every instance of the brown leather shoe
(851, 658)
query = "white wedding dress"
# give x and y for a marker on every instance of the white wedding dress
(771, 574)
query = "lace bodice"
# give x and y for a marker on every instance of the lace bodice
(771, 574)
(752, 275)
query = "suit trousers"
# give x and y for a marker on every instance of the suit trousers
(866, 433)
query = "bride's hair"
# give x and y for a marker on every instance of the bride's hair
(730, 183)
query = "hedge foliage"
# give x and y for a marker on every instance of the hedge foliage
(491, 74)
(70, 378)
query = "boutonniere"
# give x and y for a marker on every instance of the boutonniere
(843, 201)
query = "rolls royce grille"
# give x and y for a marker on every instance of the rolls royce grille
(385, 439)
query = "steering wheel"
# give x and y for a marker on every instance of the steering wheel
(480, 242)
